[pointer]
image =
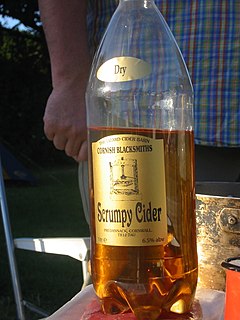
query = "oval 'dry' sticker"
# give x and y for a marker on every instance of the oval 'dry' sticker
(123, 69)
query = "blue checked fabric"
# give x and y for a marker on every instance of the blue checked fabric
(208, 34)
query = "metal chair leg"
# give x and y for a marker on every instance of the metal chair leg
(10, 250)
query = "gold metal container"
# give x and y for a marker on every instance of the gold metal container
(218, 230)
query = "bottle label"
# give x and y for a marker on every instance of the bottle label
(129, 190)
(123, 69)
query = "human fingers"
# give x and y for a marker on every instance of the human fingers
(49, 130)
(73, 146)
(82, 153)
(59, 141)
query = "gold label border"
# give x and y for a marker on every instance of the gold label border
(129, 191)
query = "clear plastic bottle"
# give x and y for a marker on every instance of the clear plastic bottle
(141, 163)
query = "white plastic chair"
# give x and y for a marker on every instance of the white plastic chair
(77, 248)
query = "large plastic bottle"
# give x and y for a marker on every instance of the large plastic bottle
(141, 163)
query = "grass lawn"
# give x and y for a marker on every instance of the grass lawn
(52, 208)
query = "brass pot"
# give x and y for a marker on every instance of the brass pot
(218, 230)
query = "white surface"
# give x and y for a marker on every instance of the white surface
(212, 303)
(81, 306)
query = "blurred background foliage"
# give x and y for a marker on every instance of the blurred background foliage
(25, 82)
(52, 207)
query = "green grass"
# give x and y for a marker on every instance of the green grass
(52, 208)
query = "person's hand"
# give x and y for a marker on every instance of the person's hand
(65, 119)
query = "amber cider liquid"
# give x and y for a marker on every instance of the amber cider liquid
(154, 282)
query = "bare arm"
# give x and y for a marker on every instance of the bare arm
(64, 23)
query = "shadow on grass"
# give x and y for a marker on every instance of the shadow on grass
(52, 208)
